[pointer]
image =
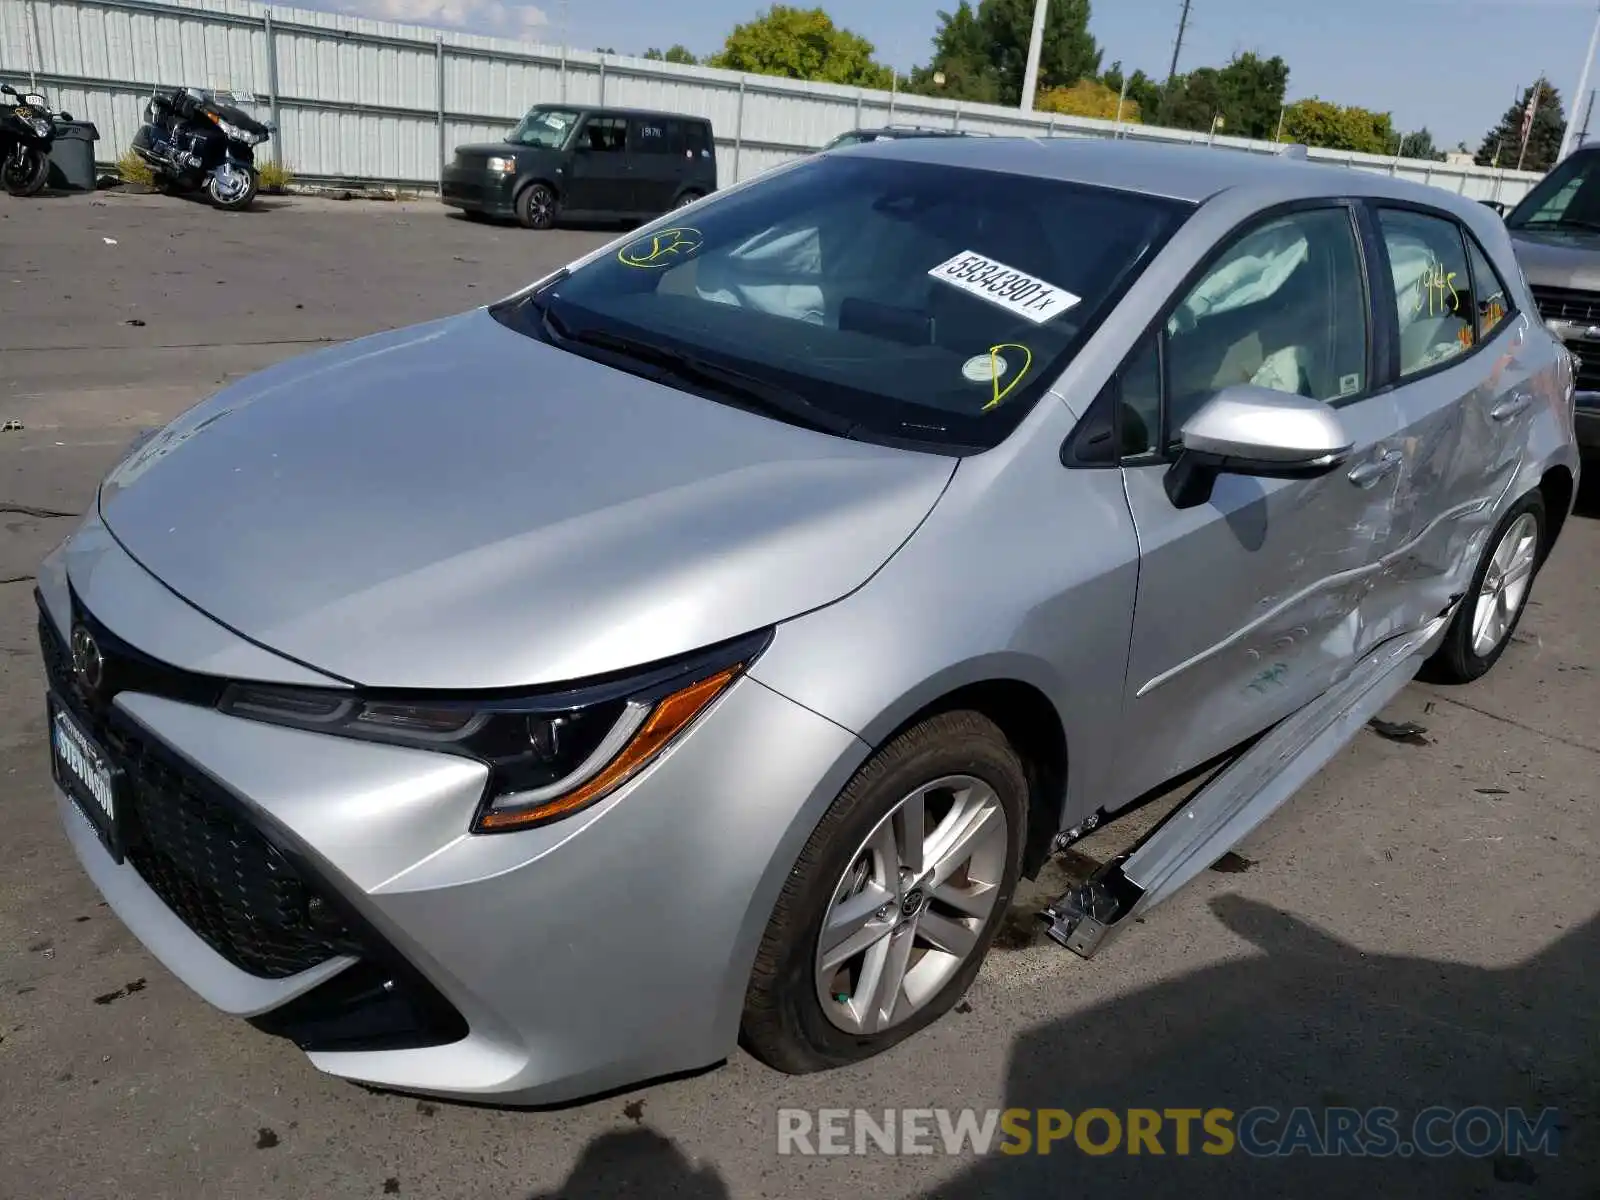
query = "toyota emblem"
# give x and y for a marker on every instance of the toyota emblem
(87, 662)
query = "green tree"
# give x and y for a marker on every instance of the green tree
(1419, 144)
(673, 54)
(1142, 90)
(801, 43)
(1247, 94)
(1317, 122)
(1502, 145)
(982, 52)
(962, 67)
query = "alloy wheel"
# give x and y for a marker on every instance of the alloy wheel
(1505, 585)
(912, 906)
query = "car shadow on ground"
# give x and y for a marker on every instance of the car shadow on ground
(1306, 1020)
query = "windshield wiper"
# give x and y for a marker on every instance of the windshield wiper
(743, 389)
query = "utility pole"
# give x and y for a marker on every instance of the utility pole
(565, 38)
(1177, 46)
(1569, 142)
(1030, 76)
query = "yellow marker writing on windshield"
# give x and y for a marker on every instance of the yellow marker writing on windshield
(661, 249)
(995, 366)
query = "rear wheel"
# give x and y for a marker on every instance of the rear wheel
(686, 199)
(1488, 614)
(25, 171)
(536, 207)
(887, 914)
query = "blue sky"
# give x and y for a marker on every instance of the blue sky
(1452, 65)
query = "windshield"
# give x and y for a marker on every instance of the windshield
(1567, 198)
(904, 301)
(546, 128)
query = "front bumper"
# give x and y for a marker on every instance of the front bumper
(474, 189)
(532, 967)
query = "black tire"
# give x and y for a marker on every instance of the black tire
(234, 202)
(686, 199)
(25, 171)
(784, 1024)
(537, 207)
(1456, 660)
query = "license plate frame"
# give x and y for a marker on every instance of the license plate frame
(93, 771)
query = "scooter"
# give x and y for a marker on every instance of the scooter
(27, 131)
(192, 139)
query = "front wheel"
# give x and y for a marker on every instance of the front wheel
(1487, 617)
(232, 186)
(536, 207)
(884, 921)
(26, 170)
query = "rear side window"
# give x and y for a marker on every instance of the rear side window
(697, 138)
(606, 134)
(1432, 288)
(1490, 301)
(652, 135)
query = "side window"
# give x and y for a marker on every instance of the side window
(697, 137)
(1490, 301)
(1432, 288)
(1139, 390)
(650, 136)
(607, 135)
(1284, 308)
(676, 143)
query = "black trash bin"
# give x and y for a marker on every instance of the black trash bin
(72, 156)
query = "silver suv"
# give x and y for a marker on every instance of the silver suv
(706, 639)
(1556, 233)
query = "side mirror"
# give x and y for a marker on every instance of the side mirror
(1249, 430)
(1496, 205)
(8, 89)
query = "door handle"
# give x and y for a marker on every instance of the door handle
(1368, 473)
(1520, 402)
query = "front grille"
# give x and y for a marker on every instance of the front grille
(1567, 304)
(190, 842)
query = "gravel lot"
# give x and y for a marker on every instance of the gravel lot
(1418, 927)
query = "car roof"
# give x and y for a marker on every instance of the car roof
(611, 110)
(1190, 173)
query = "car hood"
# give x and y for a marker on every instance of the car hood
(485, 149)
(458, 506)
(1559, 258)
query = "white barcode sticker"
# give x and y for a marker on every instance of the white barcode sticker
(1011, 289)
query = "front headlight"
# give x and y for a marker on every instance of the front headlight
(550, 754)
(239, 135)
(40, 125)
(502, 166)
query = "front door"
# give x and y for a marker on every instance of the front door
(1467, 375)
(1251, 605)
(601, 176)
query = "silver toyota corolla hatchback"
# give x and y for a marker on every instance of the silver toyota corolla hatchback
(704, 640)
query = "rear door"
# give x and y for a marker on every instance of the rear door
(1466, 397)
(655, 146)
(1253, 604)
(601, 176)
(700, 152)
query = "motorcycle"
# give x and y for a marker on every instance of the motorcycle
(27, 130)
(193, 139)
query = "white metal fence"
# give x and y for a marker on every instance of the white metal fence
(367, 101)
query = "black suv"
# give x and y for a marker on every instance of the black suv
(590, 163)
